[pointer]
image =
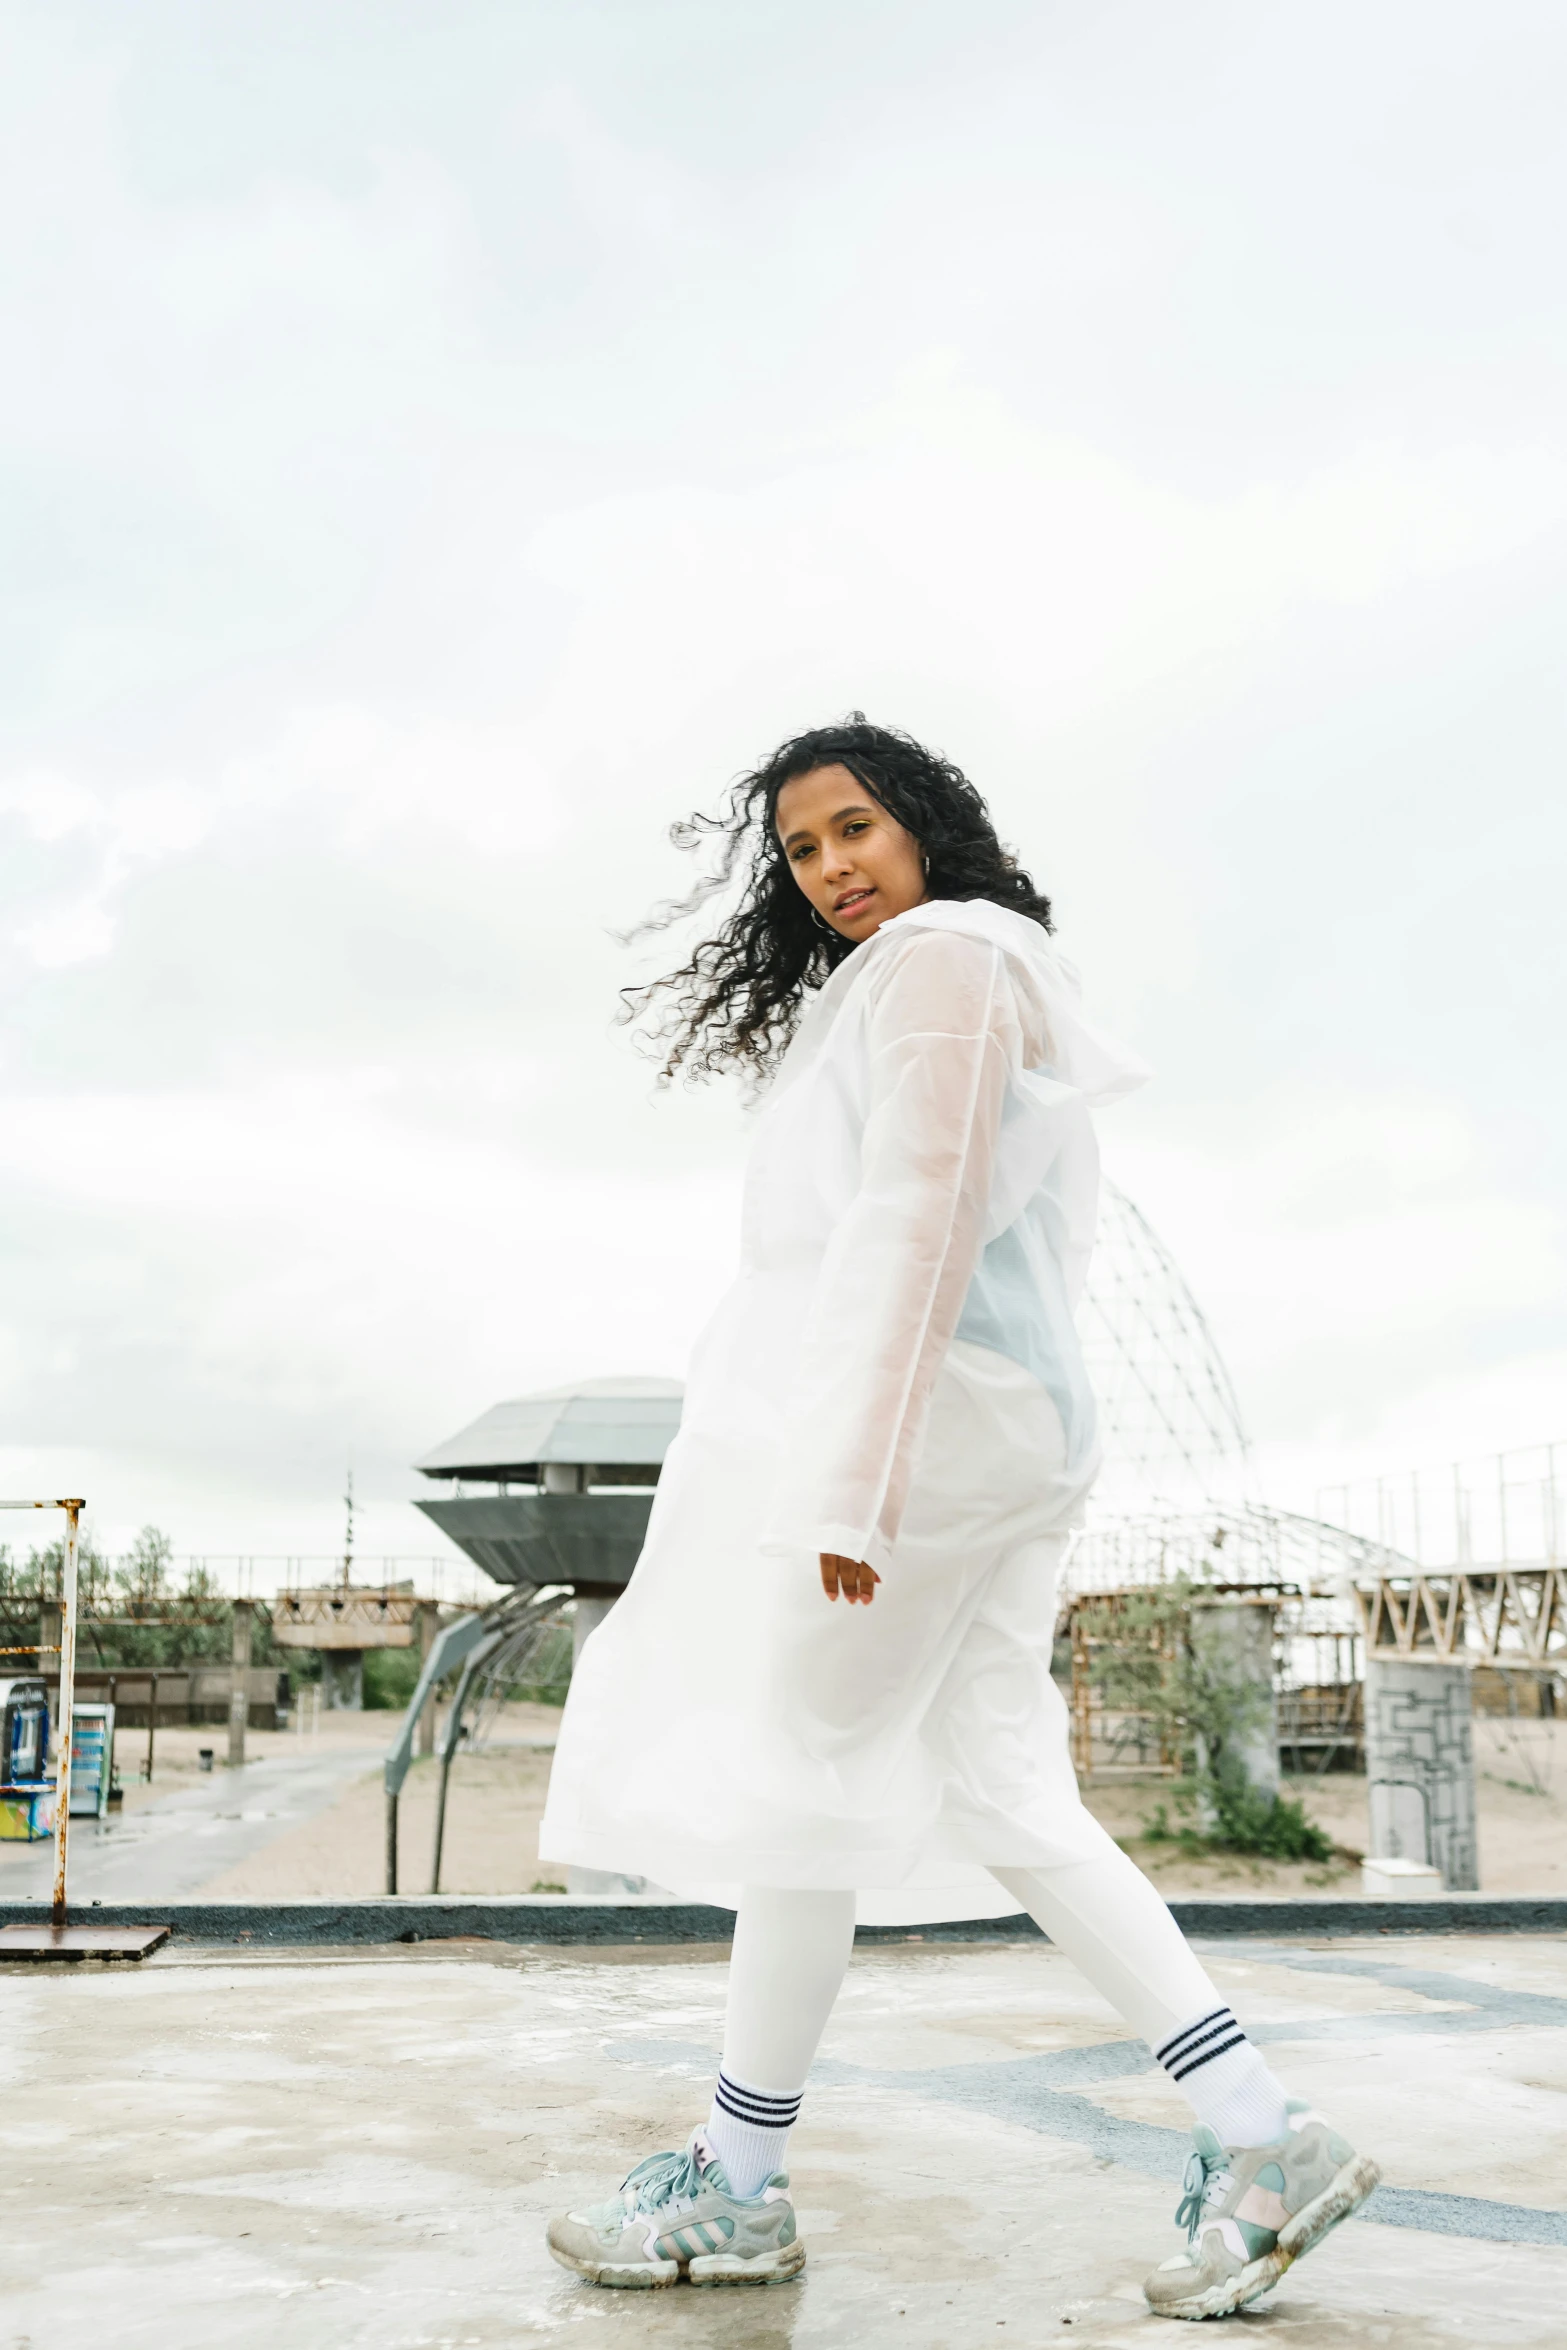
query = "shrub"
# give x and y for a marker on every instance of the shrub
(390, 1675)
(1151, 1656)
(1274, 1826)
(1240, 1818)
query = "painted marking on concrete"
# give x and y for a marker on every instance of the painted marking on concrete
(1487, 2003)
(1465, 2215)
(1032, 2090)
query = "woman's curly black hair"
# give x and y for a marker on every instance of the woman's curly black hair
(737, 1002)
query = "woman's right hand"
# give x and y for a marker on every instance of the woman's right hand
(850, 1576)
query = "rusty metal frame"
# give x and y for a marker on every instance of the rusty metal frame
(1089, 1711)
(1336, 1726)
(62, 1789)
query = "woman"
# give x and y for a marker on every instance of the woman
(826, 1692)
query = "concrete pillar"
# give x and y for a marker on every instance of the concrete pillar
(239, 1684)
(1232, 1646)
(1420, 1767)
(587, 1615)
(428, 1624)
(343, 1679)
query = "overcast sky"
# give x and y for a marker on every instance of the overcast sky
(443, 444)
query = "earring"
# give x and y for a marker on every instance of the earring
(821, 925)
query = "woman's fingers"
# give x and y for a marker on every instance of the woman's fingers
(850, 1576)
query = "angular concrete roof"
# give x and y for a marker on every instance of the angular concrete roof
(612, 1423)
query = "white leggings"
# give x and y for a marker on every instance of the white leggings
(791, 1950)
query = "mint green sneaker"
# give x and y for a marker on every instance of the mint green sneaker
(675, 2217)
(1249, 2211)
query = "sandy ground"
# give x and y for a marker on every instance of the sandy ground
(176, 1758)
(491, 1845)
(497, 1797)
(1520, 1793)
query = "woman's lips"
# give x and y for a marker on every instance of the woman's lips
(853, 900)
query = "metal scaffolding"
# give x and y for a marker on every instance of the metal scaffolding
(1168, 1415)
(1251, 1544)
(1463, 1564)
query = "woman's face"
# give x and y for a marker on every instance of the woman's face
(854, 862)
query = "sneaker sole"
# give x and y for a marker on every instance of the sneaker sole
(1231, 2293)
(1344, 2193)
(769, 2268)
(714, 2268)
(618, 2275)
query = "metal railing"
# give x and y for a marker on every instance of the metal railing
(449, 1581)
(1504, 1509)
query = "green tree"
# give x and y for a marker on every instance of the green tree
(185, 1623)
(1143, 1658)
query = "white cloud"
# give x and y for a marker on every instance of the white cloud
(422, 503)
(1370, 1272)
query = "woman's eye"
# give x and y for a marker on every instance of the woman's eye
(860, 824)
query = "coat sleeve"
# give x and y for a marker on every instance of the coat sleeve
(942, 1039)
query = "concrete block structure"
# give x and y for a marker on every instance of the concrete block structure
(1233, 1640)
(1420, 1767)
(571, 1473)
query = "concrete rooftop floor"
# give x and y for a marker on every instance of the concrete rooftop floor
(360, 2149)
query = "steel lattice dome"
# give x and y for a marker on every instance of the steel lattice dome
(1168, 1416)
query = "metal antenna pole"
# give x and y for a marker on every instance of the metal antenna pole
(62, 1784)
(348, 1535)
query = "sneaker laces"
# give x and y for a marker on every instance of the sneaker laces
(663, 2179)
(1206, 2180)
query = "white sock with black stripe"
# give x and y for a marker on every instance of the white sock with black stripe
(1224, 2080)
(747, 2128)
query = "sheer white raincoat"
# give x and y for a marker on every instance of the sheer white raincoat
(894, 1376)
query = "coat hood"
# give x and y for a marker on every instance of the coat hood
(1074, 1052)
